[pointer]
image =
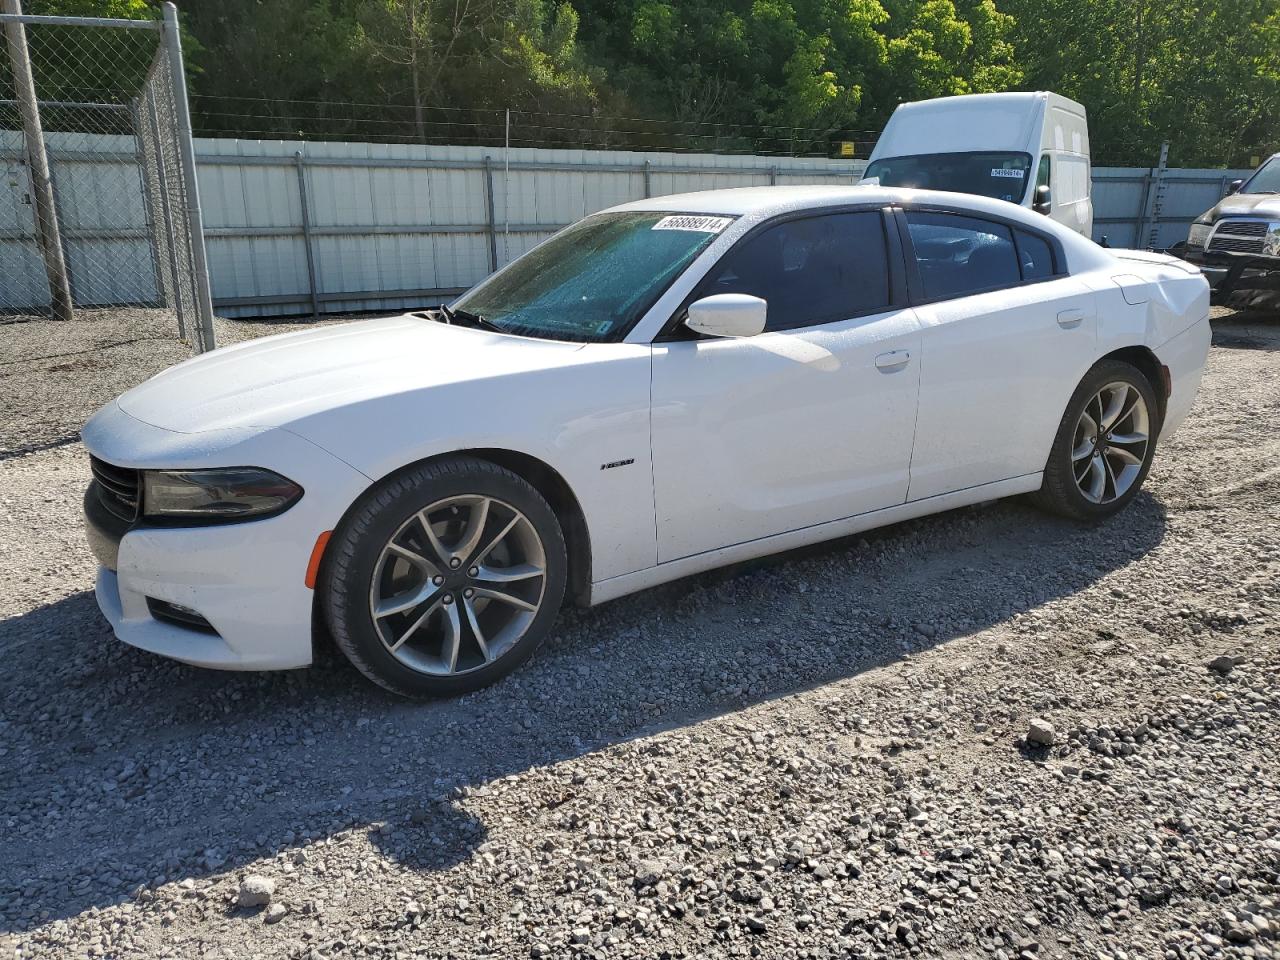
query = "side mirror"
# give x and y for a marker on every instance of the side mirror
(1234, 186)
(727, 315)
(1043, 201)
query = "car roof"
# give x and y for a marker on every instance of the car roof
(760, 203)
(756, 204)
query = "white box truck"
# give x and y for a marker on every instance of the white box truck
(1031, 149)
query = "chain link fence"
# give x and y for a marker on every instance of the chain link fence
(99, 208)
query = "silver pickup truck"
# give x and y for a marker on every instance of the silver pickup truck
(1237, 243)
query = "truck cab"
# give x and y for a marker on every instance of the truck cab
(1031, 149)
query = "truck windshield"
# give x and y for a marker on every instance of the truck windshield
(592, 281)
(1002, 176)
(1266, 179)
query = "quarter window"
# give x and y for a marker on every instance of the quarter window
(810, 271)
(961, 255)
(1034, 256)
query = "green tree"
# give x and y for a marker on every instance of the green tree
(1201, 75)
(798, 69)
(478, 54)
(85, 64)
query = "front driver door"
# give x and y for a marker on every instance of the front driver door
(808, 422)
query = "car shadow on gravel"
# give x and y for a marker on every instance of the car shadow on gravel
(124, 769)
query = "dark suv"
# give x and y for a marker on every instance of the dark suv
(1237, 243)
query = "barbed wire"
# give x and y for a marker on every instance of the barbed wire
(499, 111)
(291, 118)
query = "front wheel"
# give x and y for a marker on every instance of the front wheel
(1104, 445)
(445, 577)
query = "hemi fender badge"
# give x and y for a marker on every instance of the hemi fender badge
(617, 463)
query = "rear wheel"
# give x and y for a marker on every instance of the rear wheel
(1104, 446)
(445, 578)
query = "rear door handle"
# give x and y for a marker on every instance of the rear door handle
(893, 360)
(1067, 319)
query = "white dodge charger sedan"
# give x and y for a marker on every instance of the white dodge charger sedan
(663, 387)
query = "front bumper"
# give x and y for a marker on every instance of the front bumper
(1235, 271)
(247, 580)
(127, 612)
(247, 584)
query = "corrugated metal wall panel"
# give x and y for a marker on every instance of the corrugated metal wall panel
(384, 219)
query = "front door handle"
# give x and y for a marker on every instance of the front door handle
(1069, 319)
(893, 360)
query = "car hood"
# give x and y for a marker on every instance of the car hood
(278, 380)
(1248, 205)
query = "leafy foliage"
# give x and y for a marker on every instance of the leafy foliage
(1205, 76)
(765, 75)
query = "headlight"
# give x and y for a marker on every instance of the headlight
(221, 495)
(1199, 234)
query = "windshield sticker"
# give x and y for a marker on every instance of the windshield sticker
(697, 224)
(1011, 174)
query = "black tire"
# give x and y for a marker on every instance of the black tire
(358, 542)
(1059, 493)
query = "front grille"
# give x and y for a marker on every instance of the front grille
(1235, 245)
(117, 489)
(1238, 236)
(1243, 228)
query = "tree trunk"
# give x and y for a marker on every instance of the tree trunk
(414, 68)
(1139, 58)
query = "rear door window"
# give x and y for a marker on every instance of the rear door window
(960, 255)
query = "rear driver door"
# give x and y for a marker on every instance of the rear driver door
(1007, 336)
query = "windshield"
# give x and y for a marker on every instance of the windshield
(594, 280)
(1002, 176)
(1266, 179)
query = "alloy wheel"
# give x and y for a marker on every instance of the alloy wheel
(457, 585)
(1110, 443)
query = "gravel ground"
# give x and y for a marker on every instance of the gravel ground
(986, 734)
(53, 376)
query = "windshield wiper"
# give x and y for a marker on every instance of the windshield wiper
(467, 318)
(438, 314)
(463, 318)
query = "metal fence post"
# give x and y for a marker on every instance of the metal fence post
(648, 187)
(1158, 190)
(492, 226)
(48, 236)
(312, 286)
(148, 201)
(1143, 208)
(166, 212)
(187, 157)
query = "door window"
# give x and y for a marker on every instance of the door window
(960, 255)
(810, 271)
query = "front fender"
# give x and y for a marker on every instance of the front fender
(589, 422)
